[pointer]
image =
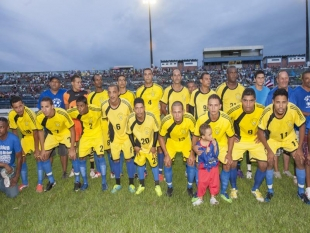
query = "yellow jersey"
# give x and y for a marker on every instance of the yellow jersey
(143, 131)
(199, 101)
(170, 96)
(117, 119)
(58, 124)
(91, 121)
(246, 124)
(26, 123)
(229, 97)
(221, 128)
(151, 96)
(283, 127)
(97, 98)
(129, 96)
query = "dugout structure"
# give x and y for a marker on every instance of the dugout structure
(239, 56)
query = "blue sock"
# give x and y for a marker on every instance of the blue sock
(117, 169)
(233, 178)
(103, 169)
(131, 169)
(40, 172)
(168, 176)
(258, 179)
(155, 172)
(269, 180)
(160, 158)
(47, 167)
(224, 181)
(82, 164)
(141, 172)
(96, 162)
(110, 162)
(301, 177)
(190, 175)
(76, 170)
(24, 173)
(121, 161)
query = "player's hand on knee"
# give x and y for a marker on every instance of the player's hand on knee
(153, 151)
(167, 161)
(13, 181)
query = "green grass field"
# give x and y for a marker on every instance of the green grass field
(63, 210)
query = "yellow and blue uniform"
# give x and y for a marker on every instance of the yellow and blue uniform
(229, 97)
(91, 138)
(246, 127)
(144, 137)
(199, 101)
(170, 96)
(221, 129)
(26, 125)
(178, 135)
(57, 128)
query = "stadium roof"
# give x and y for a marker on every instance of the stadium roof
(250, 47)
(178, 60)
(291, 55)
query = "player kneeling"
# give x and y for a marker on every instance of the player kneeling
(91, 139)
(208, 170)
(143, 133)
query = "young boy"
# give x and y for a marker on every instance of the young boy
(208, 171)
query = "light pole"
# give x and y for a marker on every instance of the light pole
(307, 36)
(149, 2)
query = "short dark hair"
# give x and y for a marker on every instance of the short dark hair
(248, 91)
(74, 77)
(138, 100)
(147, 69)
(47, 99)
(280, 91)
(114, 85)
(93, 78)
(14, 99)
(215, 96)
(202, 74)
(5, 120)
(259, 72)
(177, 103)
(203, 128)
(121, 76)
(304, 73)
(82, 99)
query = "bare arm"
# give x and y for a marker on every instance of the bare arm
(72, 152)
(163, 108)
(18, 157)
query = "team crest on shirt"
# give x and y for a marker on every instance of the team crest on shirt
(238, 96)
(290, 124)
(90, 120)
(254, 121)
(153, 93)
(101, 100)
(147, 131)
(120, 116)
(57, 124)
(57, 102)
(26, 123)
(183, 98)
(217, 130)
(183, 131)
(307, 101)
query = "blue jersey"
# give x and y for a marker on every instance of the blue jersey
(270, 95)
(58, 99)
(8, 148)
(208, 159)
(261, 95)
(301, 98)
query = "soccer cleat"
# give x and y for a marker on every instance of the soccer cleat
(71, 173)
(257, 194)
(161, 177)
(288, 173)
(97, 174)
(169, 192)
(295, 180)
(190, 192)
(49, 186)
(112, 175)
(92, 173)
(132, 188)
(213, 201)
(226, 198)
(158, 190)
(104, 187)
(64, 175)
(77, 186)
(84, 187)
(140, 189)
(268, 197)
(22, 186)
(240, 173)
(39, 188)
(303, 197)
(116, 188)
(277, 175)
(197, 202)
(249, 175)
(233, 194)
